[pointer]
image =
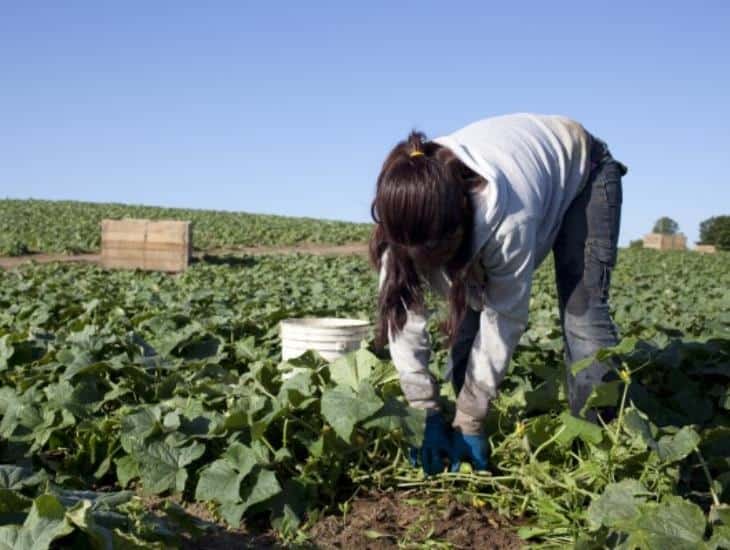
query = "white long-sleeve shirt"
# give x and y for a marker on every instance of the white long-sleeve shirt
(535, 165)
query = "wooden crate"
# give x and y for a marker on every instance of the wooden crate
(146, 244)
(660, 241)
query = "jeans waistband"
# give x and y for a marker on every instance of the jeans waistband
(600, 154)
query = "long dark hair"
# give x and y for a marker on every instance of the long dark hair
(422, 196)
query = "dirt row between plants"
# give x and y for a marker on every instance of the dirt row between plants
(360, 249)
(379, 520)
(398, 519)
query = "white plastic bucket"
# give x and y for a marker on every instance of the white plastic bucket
(328, 336)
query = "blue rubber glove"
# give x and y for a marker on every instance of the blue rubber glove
(471, 448)
(436, 445)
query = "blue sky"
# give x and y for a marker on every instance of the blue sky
(290, 107)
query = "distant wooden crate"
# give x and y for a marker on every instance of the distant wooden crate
(660, 241)
(146, 244)
(706, 248)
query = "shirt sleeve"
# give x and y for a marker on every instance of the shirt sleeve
(509, 272)
(410, 350)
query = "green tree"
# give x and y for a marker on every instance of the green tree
(666, 226)
(716, 231)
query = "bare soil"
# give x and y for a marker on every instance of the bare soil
(374, 521)
(388, 520)
(10, 262)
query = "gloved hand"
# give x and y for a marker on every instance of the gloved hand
(472, 448)
(436, 445)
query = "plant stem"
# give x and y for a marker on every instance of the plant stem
(546, 443)
(523, 506)
(621, 412)
(266, 442)
(453, 477)
(263, 390)
(608, 432)
(715, 500)
(379, 473)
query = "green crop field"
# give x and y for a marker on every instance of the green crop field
(28, 226)
(116, 385)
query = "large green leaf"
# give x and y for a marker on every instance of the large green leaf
(607, 394)
(626, 345)
(16, 477)
(576, 428)
(397, 418)
(672, 448)
(343, 408)
(82, 518)
(261, 486)
(12, 502)
(220, 482)
(45, 523)
(637, 424)
(8, 536)
(242, 457)
(617, 506)
(355, 367)
(138, 426)
(674, 523)
(127, 469)
(297, 391)
(264, 486)
(162, 468)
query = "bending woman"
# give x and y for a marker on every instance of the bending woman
(472, 215)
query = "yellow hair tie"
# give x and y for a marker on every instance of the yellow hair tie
(416, 154)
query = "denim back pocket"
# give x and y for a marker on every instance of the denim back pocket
(612, 188)
(600, 260)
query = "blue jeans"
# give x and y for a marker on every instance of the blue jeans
(585, 255)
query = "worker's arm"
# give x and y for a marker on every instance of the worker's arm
(509, 272)
(410, 349)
